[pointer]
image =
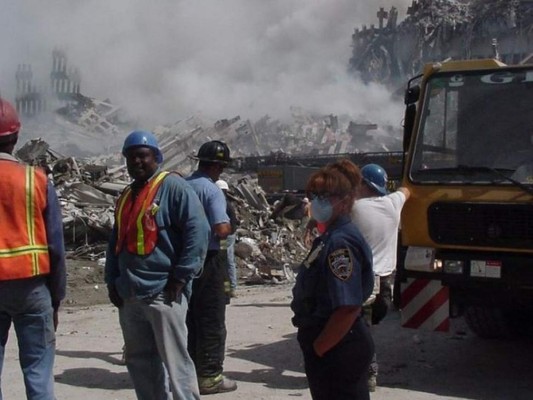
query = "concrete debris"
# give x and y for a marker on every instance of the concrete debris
(308, 133)
(77, 141)
(266, 250)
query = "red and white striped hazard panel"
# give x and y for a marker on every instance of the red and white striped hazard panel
(425, 305)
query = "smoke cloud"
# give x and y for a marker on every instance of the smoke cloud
(167, 59)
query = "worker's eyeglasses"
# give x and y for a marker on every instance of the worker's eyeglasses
(321, 196)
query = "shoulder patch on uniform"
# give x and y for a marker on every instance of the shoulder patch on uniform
(341, 263)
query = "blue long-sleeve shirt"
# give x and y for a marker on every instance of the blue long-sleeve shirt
(181, 246)
(57, 279)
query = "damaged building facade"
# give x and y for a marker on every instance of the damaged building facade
(436, 30)
(57, 111)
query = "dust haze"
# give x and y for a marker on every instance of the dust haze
(167, 59)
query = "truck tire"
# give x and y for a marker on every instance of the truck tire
(487, 323)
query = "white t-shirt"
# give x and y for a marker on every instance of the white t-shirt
(378, 219)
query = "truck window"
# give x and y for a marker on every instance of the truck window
(473, 122)
(438, 143)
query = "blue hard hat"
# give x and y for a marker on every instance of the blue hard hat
(145, 139)
(376, 177)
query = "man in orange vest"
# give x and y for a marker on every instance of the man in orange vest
(32, 262)
(157, 247)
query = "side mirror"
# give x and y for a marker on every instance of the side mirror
(408, 125)
(412, 94)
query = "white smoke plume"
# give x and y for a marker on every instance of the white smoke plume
(164, 60)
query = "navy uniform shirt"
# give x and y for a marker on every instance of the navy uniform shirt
(337, 272)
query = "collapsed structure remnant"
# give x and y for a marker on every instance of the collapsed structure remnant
(435, 30)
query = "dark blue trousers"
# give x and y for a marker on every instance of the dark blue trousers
(342, 373)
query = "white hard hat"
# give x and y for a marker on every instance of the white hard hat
(222, 184)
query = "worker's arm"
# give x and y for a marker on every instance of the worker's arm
(57, 279)
(338, 325)
(111, 270)
(217, 214)
(405, 191)
(309, 236)
(222, 230)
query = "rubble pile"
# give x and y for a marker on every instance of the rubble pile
(267, 251)
(88, 185)
(307, 133)
(436, 30)
(86, 192)
(77, 140)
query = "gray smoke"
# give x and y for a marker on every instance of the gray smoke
(164, 60)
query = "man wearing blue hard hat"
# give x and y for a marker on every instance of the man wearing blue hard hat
(157, 247)
(376, 212)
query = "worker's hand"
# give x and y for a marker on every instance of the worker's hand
(173, 289)
(309, 236)
(114, 297)
(317, 348)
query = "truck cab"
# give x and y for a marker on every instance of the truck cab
(468, 226)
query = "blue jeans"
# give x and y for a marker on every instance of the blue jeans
(155, 338)
(27, 303)
(232, 267)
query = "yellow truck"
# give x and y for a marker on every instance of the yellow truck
(468, 226)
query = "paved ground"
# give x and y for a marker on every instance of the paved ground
(262, 355)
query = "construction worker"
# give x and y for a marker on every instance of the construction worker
(32, 262)
(157, 246)
(207, 314)
(376, 213)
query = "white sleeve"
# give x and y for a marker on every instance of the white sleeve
(397, 199)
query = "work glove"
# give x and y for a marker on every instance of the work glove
(114, 297)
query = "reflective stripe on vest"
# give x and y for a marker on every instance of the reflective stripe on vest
(23, 242)
(136, 227)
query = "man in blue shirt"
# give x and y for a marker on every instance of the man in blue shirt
(207, 313)
(157, 247)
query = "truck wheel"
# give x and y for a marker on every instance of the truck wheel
(520, 321)
(488, 323)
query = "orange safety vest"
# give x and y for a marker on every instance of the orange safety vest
(135, 218)
(23, 241)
